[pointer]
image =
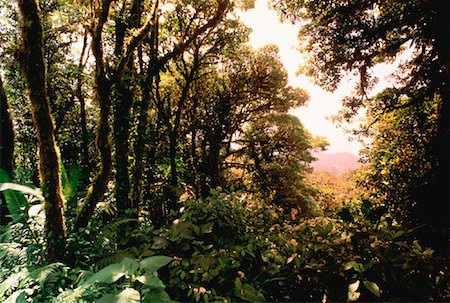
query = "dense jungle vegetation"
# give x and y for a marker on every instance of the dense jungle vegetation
(147, 154)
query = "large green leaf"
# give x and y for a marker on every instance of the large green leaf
(16, 202)
(23, 189)
(156, 296)
(151, 281)
(109, 274)
(130, 265)
(128, 295)
(153, 263)
(108, 298)
(70, 182)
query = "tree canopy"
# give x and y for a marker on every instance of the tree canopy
(148, 154)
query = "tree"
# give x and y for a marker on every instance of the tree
(175, 95)
(400, 154)
(353, 36)
(278, 149)
(162, 49)
(246, 86)
(34, 71)
(6, 146)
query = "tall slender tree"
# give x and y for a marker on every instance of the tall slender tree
(6, 146)
(32, 62)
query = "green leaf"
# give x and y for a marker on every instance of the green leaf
(207, 228)
(109, 274)
(108, 298)
(358, 267)
(129, 295)
(151, 281)
(16, 202)
(156, 296)
(70, 183)
(153, 263)
(248, 293)
(372, 287)
(238, 283)
(130, 266)
(23, 189)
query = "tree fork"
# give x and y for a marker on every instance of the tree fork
(32, 62)
(102, 90)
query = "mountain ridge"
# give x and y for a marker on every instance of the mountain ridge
(336, 163)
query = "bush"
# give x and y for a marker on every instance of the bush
(234, 247)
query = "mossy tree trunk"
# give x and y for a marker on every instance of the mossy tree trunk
(102, 94)
(6, 147)
(105, 81)
(123, 103)
(34, 70)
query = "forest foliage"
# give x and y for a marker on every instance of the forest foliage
(148, 155)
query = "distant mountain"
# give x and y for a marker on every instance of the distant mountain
(336, 163)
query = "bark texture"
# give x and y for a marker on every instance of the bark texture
(34, 70)
(6, 147)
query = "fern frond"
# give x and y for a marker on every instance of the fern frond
(13, 250)
(42, 274)
(71, 295)
(83, 276)
(113, 227)
(110, 230)
(12, 281)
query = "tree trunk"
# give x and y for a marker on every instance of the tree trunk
(121, 134)
(102, 91)
(34, 70)
(84, 132)
(124, 102)
(100, 182)
(173, 188)
(439, 212)
(6, 148)
(214, 155)
(139, 147)
(432, 209)
(79, 94)
(194, 163)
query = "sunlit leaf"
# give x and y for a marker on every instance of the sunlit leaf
(153, 263)
(372, 287)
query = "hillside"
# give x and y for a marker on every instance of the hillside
(336, 163)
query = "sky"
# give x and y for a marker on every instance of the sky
(316, 115)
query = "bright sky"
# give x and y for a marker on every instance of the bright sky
(322, 105)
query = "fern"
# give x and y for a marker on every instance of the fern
(45, 273)
(110, 230)
(71, 295)
(12, 282)
(13, 250)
